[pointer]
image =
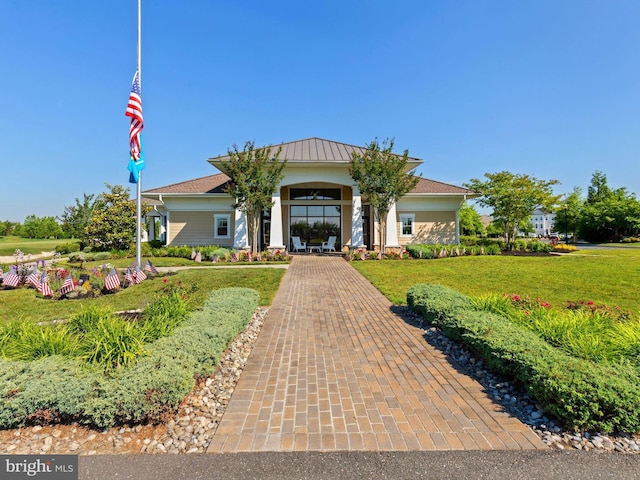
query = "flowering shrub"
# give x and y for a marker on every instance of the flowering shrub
(216, 254)
(614, 312)
(564, 248)
(584, 329)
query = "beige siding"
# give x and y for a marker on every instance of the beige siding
(430, 227)
(196, 228)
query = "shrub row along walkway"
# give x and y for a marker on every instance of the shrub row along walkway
(335, 369)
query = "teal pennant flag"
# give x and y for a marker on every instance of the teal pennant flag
(135, 167)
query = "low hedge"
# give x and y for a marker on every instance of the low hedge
(58, 389)
(582, 394)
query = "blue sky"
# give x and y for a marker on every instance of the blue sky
(547, 88)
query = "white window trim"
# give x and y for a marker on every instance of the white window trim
(411, 216)
(220, 216)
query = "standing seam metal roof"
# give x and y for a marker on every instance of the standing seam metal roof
(314, 150)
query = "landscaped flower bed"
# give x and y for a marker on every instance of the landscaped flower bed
(585, 395)
(60, 388)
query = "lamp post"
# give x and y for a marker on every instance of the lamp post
(566, 227)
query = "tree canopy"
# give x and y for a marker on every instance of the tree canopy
(255, 174)
(76, 218)
(513, 197)
(607, 214)
(40, 227)
(382, 177)
(113, 220)
(470, 220)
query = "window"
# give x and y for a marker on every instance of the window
(315, 223)
(315, 194)
(221, 225)
(407, 221)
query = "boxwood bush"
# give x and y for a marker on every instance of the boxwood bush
(60, 389)
(582, 394)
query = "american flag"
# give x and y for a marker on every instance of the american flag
(112, 280)
(138, 275)
(198, 257)
(150, 267)
(44, 287)
(128, 276)
(193, 253)
(34, 277)
(134, 110)
(11, 278)
(379, 254)
(67, 285)
(214, 258)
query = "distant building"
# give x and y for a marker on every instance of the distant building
(543, 222)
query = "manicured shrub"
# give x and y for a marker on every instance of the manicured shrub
(434, 302)
(101, 256)
(57, 388)
(69, 247)
(582, 394)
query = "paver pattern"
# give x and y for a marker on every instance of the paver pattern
(334, 368)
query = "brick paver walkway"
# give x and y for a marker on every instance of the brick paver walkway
(335, 369)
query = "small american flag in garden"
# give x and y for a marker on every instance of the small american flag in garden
(134, 110)
(112, 280)
(363, 256)
(214, 259)
(128, 277)
(150, 267)
(11, 278)
(379, 254)
(193, 253)
(34, 277)
(44, 287)
(198, 257)
(67, 285)
(138, 275)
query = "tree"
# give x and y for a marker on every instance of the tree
(113, 220)
(7, 228)
(76, 218)
(44, 227)
(255, 175)
(569, 213)
(382, 177)
(513, 198)
(470, 220)
(608, 214)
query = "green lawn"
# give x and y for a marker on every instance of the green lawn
(24, 303)
(8, 245)
(611, 277)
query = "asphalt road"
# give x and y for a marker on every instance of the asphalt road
(494, 465)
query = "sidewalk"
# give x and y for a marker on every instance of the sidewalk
(334, 369)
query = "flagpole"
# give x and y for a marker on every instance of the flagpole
(138, 184)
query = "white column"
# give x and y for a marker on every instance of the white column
(240, 235)
(276, 241)
(167, 234)
(357, 233)
(392, 229)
